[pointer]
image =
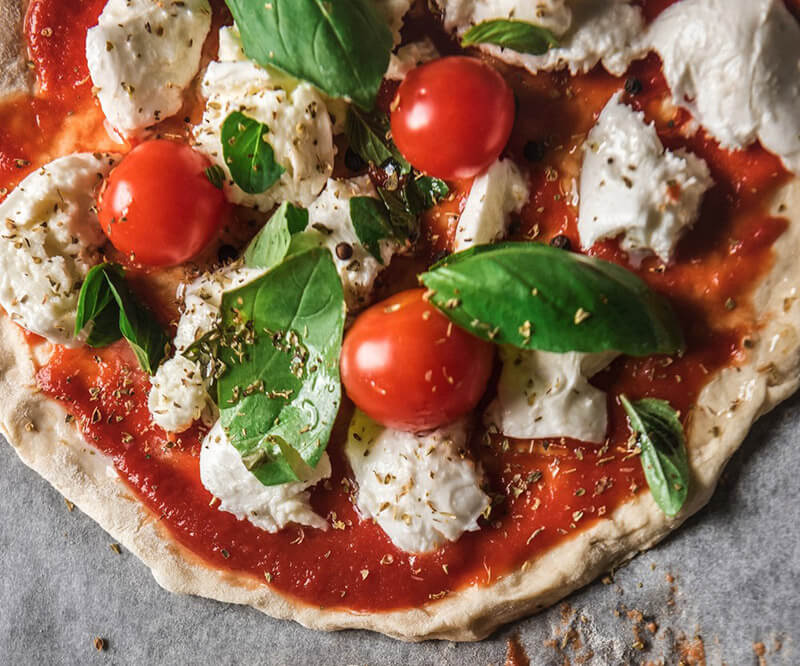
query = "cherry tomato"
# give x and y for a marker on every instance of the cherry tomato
(158, 207)
(408, 367)
(452, 117)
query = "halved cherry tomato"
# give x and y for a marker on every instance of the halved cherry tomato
(408, 367)
(452, 117)
(158, 207)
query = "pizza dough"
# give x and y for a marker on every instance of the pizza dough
(727, 407)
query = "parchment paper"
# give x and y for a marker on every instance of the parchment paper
(727, 585)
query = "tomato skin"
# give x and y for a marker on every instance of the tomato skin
(406, 366)
(158, 207)
(452, 117)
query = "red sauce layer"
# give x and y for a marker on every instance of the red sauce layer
(546, 491)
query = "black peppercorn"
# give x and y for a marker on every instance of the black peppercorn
(561, 242)
(344, 251)
(227, 253)
(633, 86)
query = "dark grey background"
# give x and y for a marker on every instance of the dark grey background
(735, 567)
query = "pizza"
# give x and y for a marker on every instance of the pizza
(409, 317)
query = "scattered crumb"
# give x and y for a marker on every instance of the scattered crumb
(99, 644)
(761, 652)
(70, 505)
(115, 547)
(515, 653)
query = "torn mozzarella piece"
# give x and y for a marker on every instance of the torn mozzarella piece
(409, 57)
(495, 195)
(141, 56)
(420, 489)
(239, 492)
(588, 31)
(541, 394)
(300, 130)
(330, 215)
(179, 389)
(49, 236)
(394, 11)
(735, 64)
(631, 185)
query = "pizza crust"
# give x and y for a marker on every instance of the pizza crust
(15, 76)
(727, 407)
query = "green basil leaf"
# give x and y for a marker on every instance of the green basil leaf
(371, 224)
(280, 392)
(664, 458)
(108, 304)
(432, 190)
(519, 36)
(341, 47)
(271, 244)
(534, 296)
(248, 154)
(216, 175)
(370, 137)
(96, 304)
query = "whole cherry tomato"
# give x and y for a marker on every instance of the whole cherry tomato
(408, 367)
(452, 117)
(158, 207)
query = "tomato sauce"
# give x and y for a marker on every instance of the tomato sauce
(543, 492)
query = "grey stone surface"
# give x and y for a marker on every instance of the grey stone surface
(735, 570)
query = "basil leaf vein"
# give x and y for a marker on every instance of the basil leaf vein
(341, 47)
(248, 154)
(280, 392)
(519, 36)
(533, 296)
(664, 457)
(271, 245)
(106, 302)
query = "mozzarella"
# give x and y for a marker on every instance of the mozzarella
(588, 31)
(410, 56)
(270, 508)
(179, 389)
(735, 64)
(630, 185)
(300, 130)
(394, 11)
(49, 236)
(141, 56)
(541, 394)
(330, 214)
(420, 489)
(495, 195)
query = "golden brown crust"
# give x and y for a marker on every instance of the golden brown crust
(726, 409)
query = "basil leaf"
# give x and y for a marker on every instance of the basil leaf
(96, 304)
(664, 458)
(215, 175)
(534, 296)
(431, 190)
(280, 392)
(341, 47)
(369, 135)
(248, 154)
(519, 36)
(114, 312)
(371, 224)
(271, 244)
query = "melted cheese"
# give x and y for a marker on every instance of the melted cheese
(330, 214)
(142, 55)
(631, 185)
(588, 31)
(300, 128)
(410, 56)
(179, 389)
(49, 236)
(239, 492)
(420, 489)
(735, 64)
(548, 395)
(494, 196)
